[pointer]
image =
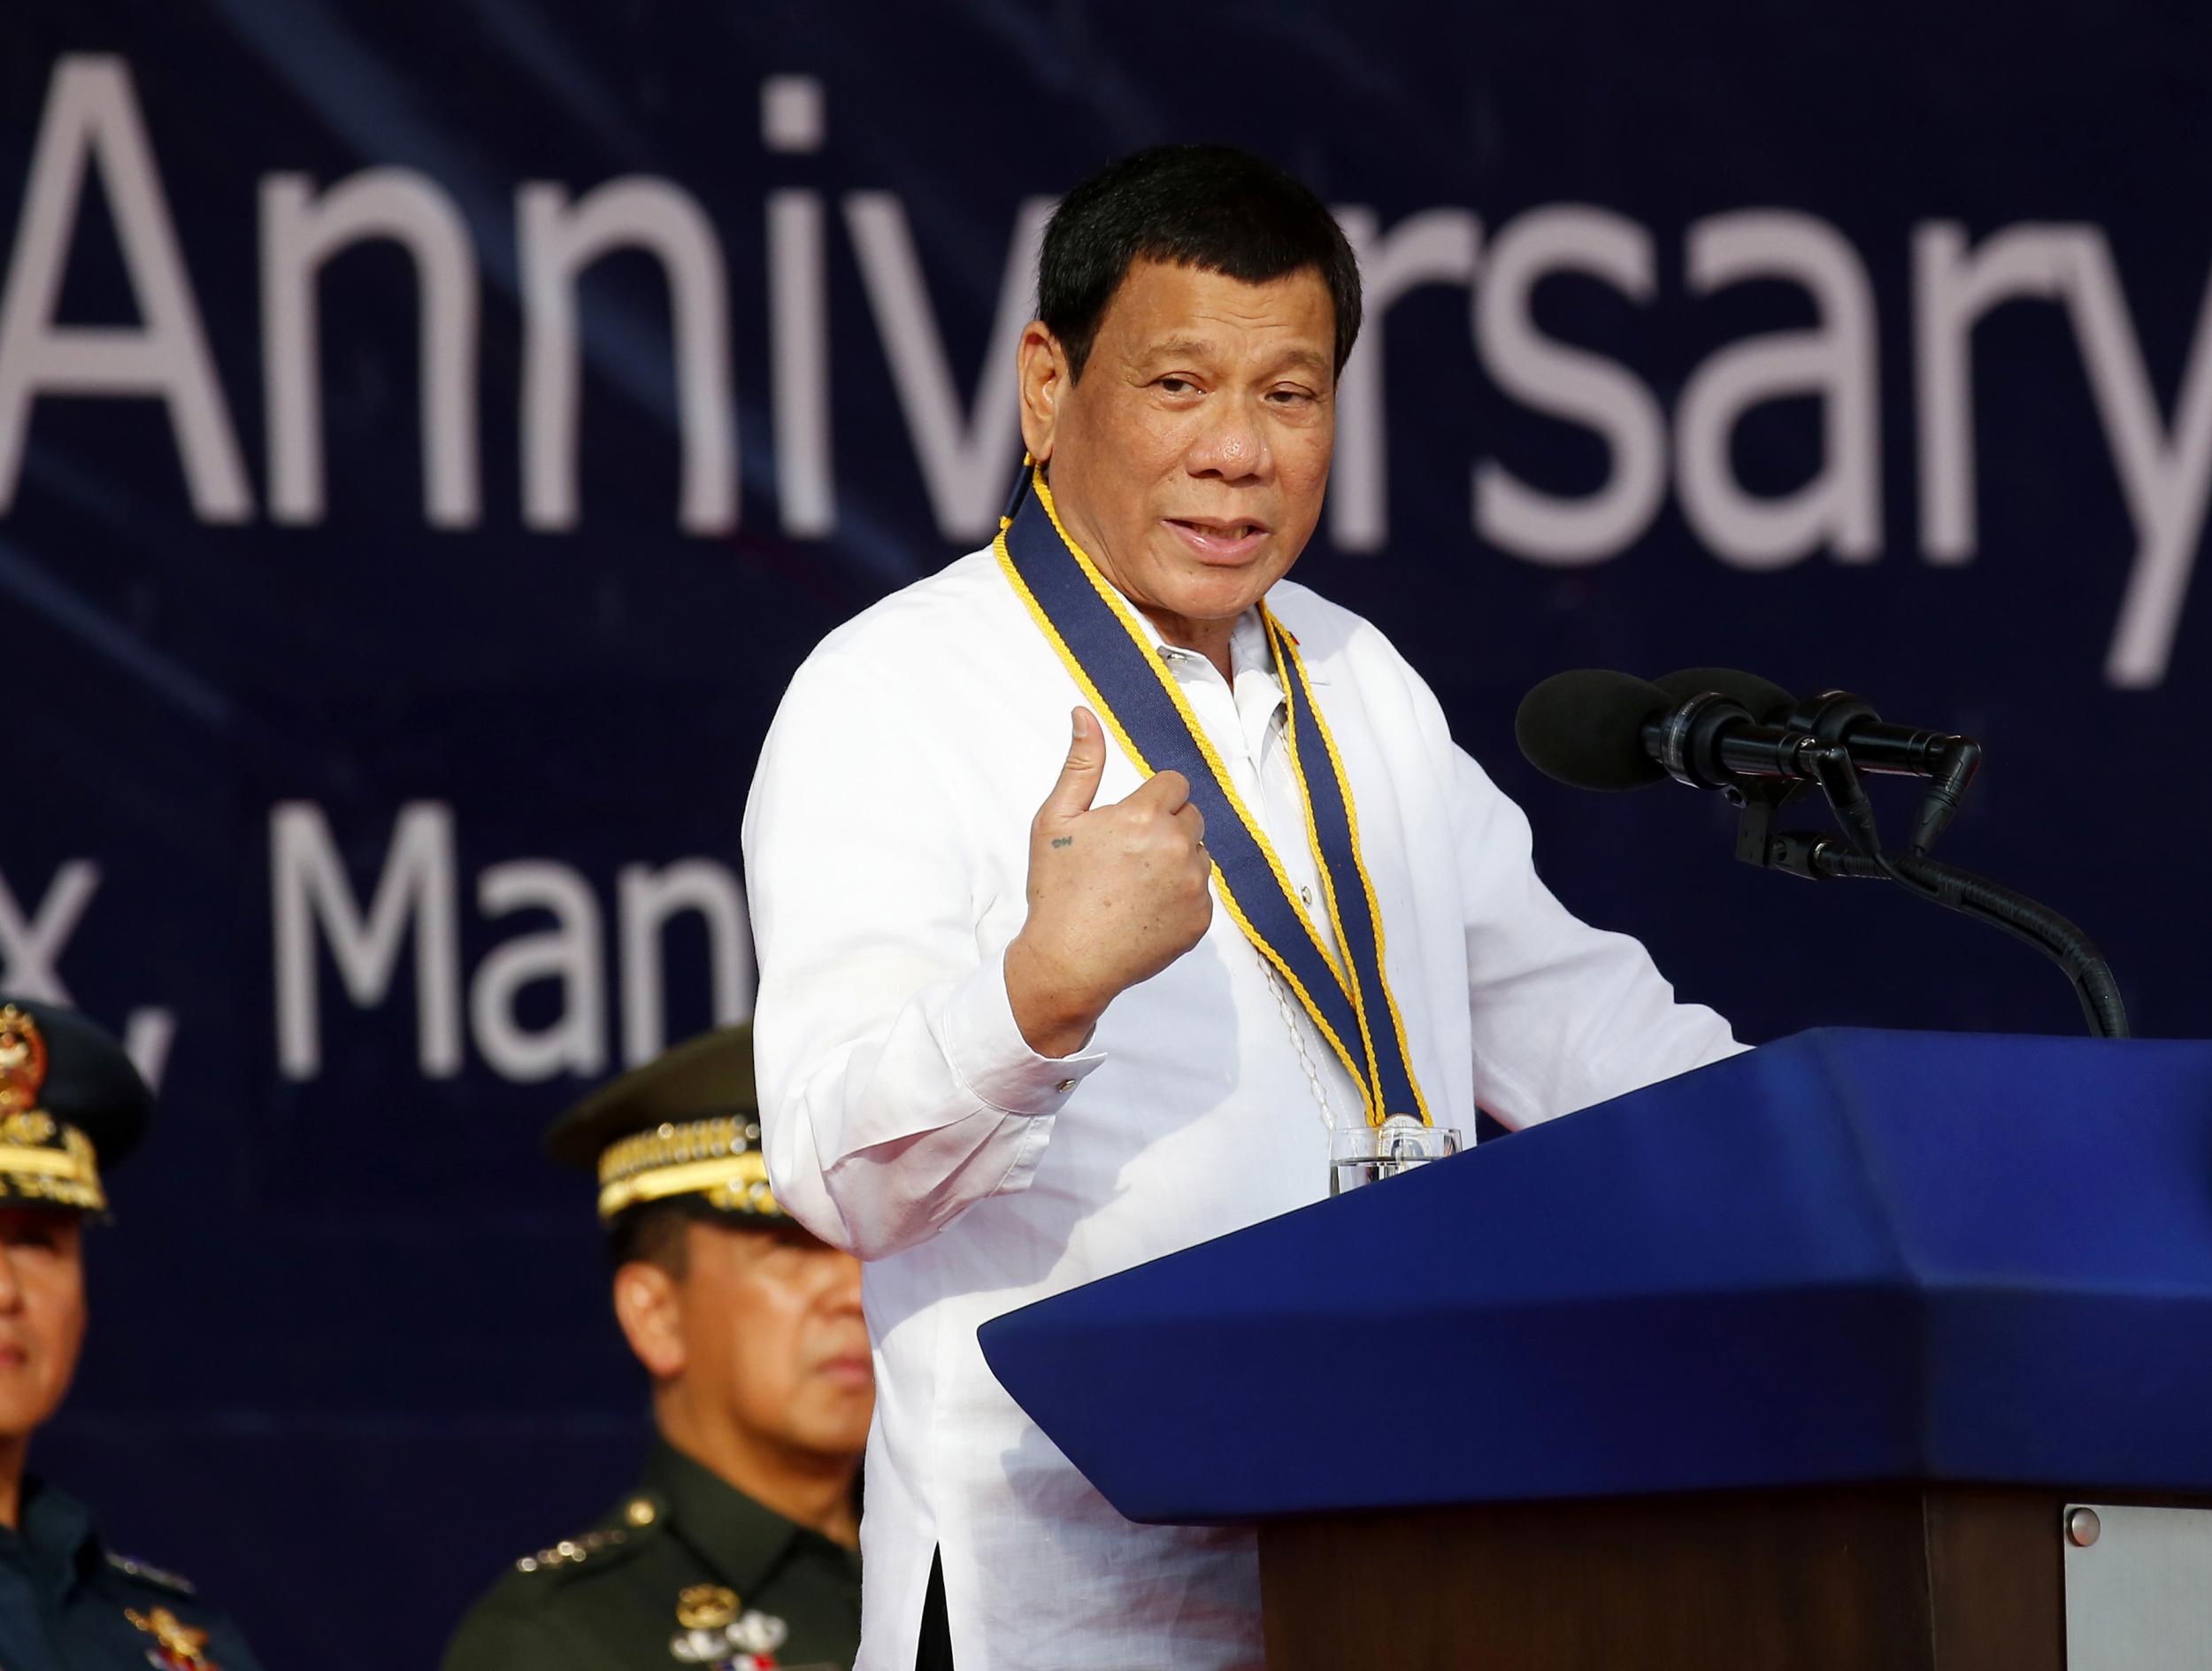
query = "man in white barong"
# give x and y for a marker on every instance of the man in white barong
(1030, 1014)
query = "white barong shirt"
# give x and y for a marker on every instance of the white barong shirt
(887, 846)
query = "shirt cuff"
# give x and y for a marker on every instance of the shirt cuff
(986, 1049)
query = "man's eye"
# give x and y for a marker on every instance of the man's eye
(1289, 396)
(1177, 385)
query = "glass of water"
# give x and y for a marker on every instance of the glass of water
(1363, 1154)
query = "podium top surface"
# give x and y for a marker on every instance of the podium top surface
(1846, 1256)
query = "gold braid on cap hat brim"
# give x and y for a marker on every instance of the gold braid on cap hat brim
(42, 1158)
(711, 1158)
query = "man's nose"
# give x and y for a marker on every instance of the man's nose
(1232, 445)
(841, 1281)
(11, 1291)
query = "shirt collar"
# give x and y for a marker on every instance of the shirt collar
(1248, 641)
(56, 1532)
(742, 1540)
(1248, 647)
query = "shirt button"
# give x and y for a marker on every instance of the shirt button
(1306, 894)
(1065, 1086)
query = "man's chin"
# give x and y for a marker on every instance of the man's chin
(23, 1410)
(834, 1425)
(830, 1450)
(1213, 597)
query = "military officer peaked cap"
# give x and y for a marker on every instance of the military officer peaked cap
(684, 1126)
(70, 1104)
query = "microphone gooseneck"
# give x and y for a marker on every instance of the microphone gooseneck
(2027, 919)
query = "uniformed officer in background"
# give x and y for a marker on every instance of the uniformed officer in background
(739, 1548)
(71, 1105)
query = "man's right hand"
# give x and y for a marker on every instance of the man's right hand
(1116, 894)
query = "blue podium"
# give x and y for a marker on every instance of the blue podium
(1797, 1361)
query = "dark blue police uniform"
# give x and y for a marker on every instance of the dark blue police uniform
(71, 1106)
(69, 1604)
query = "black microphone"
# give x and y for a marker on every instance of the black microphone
(1874, 746)
(1710, 727)
(1586, 728)
(1596, 730)
(1834, 716)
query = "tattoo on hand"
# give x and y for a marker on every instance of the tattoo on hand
(1064, 841)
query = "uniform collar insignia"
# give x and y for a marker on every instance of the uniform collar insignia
(177, 1646)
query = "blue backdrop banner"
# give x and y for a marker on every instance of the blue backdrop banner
(430, 435)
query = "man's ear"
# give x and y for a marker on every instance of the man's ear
(650, 1311)
(1045, 380)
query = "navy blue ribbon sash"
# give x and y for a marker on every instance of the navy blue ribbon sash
(1112, 660)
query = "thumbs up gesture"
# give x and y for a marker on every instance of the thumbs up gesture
(1116, 894)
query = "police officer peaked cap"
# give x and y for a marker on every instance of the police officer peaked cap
(686, 1126)
(70, 1104)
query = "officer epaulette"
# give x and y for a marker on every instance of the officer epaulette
(160, 1577)
(641, 1516)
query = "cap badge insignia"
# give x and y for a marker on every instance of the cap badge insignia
(22, 1061)
(177, 1646)
(718, 1633)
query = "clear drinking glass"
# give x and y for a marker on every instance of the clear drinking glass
(1363, 1154)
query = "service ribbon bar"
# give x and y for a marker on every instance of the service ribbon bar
(1112, 660)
